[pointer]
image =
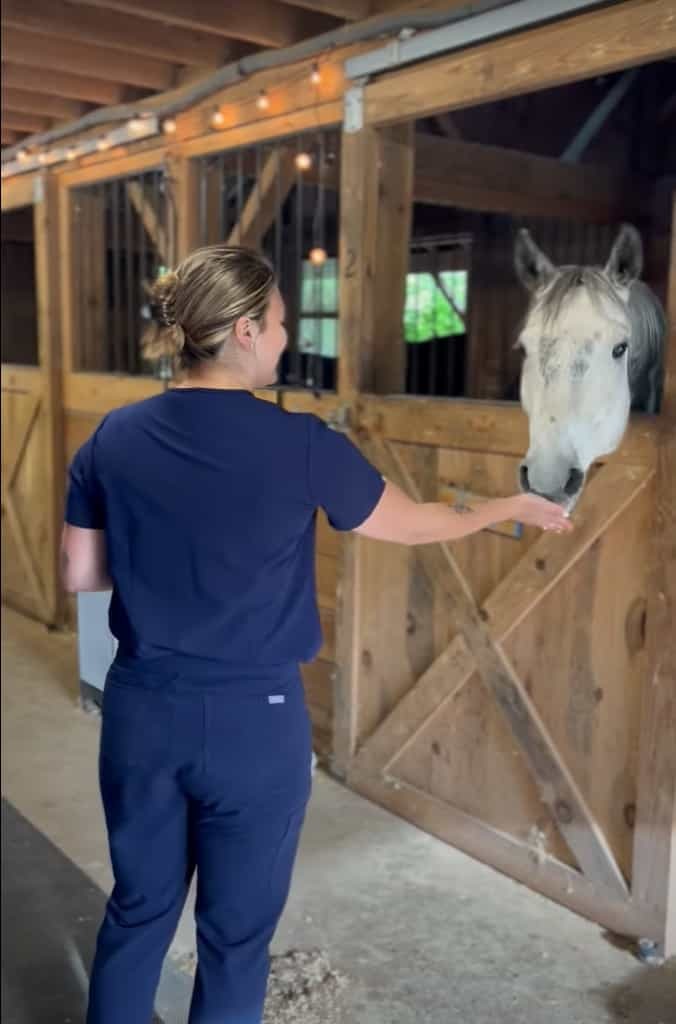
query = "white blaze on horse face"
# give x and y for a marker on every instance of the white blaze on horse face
(574, 389)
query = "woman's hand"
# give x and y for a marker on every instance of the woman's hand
(532, 510)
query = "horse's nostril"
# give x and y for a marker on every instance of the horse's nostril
(523, 477)
(574, 482)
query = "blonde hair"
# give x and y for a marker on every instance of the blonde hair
(195, 307)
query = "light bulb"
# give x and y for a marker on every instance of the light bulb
(263, 101)
(217, 119)
(22, 156)
(169, 126)
(103, 143)
(71, 153)
(318, 256)
(43, 158)
(136, 125)
(316, 75)
(303, 161)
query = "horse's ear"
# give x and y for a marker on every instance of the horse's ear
(626, 258)
(533, 268)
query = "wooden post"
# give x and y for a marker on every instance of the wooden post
(376, 196)
(46, 221)
(654, 869)
(376, 190)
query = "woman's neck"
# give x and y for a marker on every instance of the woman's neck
(215, 377)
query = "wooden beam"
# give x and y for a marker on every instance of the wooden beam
(349, 10)
(18, 191)
(492, 179)
(41, 104)
(105, 28)
(393, 231)
(503, 853)
(61, 83)
(24, 122)
(557, 787)
(357, 259)
(8, 138)
(49, 346)
(263, 22)
(620, 36)
(151, 222)
(97, 61)
(269, 192)
(654, 861)
(497, 427)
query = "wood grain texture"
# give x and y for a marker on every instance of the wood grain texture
(614, 38)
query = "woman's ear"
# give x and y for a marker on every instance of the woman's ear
(245, 332)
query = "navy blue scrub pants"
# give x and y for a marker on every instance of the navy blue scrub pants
(206, 779)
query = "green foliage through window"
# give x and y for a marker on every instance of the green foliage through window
(429, 312)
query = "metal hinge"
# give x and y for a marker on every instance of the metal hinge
(339, 419)
(353, 115)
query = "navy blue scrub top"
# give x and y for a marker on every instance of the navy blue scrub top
(208, 499)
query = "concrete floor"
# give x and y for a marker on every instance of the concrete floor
(422, 932)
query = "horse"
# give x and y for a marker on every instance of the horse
(593, 341)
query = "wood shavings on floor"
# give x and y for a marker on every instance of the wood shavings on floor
(303, 989)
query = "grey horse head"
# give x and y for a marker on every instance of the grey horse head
(593, 340)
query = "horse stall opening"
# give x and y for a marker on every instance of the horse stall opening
(281, 196)
(498, 694)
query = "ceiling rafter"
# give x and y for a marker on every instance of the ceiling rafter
(105, 28)
(64, 83)
(17, 121)
(97, 61)
(41, 104)
(264, 22)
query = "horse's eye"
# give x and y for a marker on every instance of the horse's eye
(620, 349)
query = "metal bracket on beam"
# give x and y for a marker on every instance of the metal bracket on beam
(353, 116)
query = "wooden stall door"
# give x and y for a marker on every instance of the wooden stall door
(500, 684)
(32, 461)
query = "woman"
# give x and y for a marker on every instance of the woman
(198, 507)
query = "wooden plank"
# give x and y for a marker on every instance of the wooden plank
(607, 497)
(101, 393)
(248, 126)
(62, 83)
(499, 427)
(621, 36)
(520, 861)
(557, 787)
(272, 187)
(32, 49)
(393, 232)
(41, 103)
(105, 28)
(654, 881)
(18, 191)
(114, 167)
(357, 258)
(27, 379)
(264, 23)
(150, 219)
(89, 271)
(7, 137)
(473, 176)
(46, 227)
(16, 121)
(327, 579)
(322, 404)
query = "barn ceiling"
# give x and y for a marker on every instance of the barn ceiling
(63, 58)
